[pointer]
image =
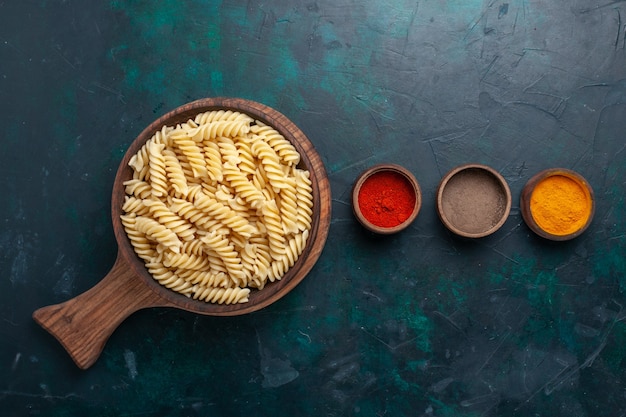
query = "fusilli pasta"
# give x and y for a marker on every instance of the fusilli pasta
(217, 206)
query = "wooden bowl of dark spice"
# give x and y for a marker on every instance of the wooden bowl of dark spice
(386, 198)
(473, 200)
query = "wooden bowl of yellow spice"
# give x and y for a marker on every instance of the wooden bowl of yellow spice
(557, 204)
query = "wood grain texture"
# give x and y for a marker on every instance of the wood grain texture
(83, 324)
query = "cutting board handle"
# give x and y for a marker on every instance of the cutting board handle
(84, 323)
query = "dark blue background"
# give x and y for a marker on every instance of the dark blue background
(421, 323)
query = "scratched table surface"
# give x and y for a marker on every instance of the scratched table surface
(420, 323)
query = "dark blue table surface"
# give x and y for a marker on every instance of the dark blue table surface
(420, 323)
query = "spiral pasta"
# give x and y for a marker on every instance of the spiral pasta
(156, 169)
(221, 295)
(222, 128)
(225, 214)
(228, 150)
(288, 206)
(168, 278)
(275, 230)
(218, 206)
(304, 213)
(271, 164)
(138, 188)
(135, 205)
(230, 258)
(192, 152)
(162, 213)
(143, 247)
(158, 233)
(281, 146)
(242, 186)
(213, 161)
(221, 115)
(175, 173)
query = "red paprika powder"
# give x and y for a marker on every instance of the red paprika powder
(386, 199)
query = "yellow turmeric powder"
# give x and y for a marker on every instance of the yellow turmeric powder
(560, 205)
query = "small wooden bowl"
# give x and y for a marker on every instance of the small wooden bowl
(83, 324)
(527, 197)
(372, 172)
(473, 200)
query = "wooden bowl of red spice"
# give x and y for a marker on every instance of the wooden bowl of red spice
(473, 200)
(557, 204)
(386, 198)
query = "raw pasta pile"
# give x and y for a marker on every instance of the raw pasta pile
(218, 206)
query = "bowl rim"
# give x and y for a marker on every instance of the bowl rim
(504, 186)
(530, 186)
(373, 170)
(321, 207)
